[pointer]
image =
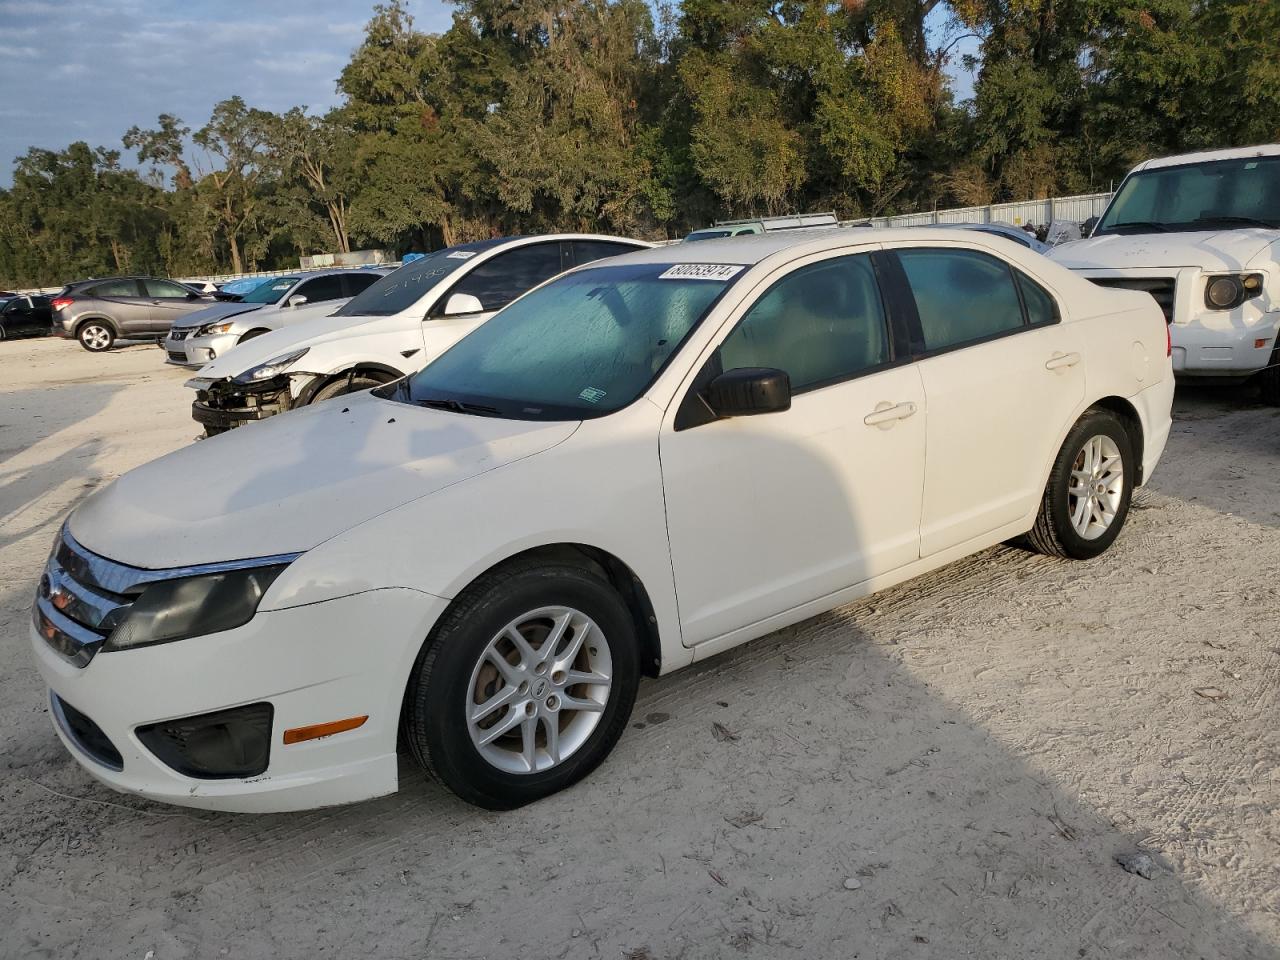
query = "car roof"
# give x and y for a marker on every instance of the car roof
(1205, 156)
(752, 249)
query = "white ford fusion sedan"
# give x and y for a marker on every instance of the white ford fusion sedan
(634, 466)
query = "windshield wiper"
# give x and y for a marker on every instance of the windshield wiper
(1140, 224)
(1246, 221)
(459, 406)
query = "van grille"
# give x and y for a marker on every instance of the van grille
(1161, 289)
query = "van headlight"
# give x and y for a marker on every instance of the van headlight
(1228, 291)
(272, 368)
(193, 606)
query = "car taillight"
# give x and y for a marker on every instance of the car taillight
(60, 303)
(1168, 341)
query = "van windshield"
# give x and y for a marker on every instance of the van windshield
(1214, 195)
(584, 345)
(404, 287)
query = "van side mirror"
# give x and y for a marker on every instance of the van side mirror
(461, 303)
(747, 391)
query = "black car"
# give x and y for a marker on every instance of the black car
(25, 317)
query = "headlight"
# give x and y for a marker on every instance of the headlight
(177, 609)
(211, 328)
(1229, 291)
(271, 368)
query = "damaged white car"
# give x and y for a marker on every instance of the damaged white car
(391, 329)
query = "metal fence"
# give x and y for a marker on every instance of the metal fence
(1035, 212)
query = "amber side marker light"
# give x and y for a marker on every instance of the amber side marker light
(317, 730)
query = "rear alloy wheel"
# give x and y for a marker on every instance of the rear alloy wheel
(96, 337)
(1087, 497)
(525, 684)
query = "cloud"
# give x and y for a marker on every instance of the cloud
(116, 63)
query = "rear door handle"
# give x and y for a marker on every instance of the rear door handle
(887, 414)
(1060, 361)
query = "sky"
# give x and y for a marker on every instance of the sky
(90, 69)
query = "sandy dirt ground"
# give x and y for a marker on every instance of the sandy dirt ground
(945, 770)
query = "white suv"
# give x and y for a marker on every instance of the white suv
(1201, 233)
(391, 329)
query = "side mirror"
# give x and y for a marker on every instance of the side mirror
(746, 391)
(461, 303)
(297, 300)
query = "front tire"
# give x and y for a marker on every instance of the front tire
(344, 385)
(525, 684)
(1087, 497)
(95, 336)
(1269, 380)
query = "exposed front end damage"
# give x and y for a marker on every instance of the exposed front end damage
(222, 405)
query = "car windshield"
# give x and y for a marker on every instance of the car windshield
(582, 346)
(404, 287)
(270, 291)
(1197, 196)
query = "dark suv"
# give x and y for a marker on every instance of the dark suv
(24, 317)
(98, 312)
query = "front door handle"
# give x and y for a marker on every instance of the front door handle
(886, 414)
(1060, 361)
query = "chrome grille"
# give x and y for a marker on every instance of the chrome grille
(83, 597)
(177, 334)
(1160, 288)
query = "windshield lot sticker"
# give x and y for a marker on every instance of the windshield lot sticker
(700, 271)
(592, 395)
(460, 255)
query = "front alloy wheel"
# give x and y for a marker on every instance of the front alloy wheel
(539, 690)
(525, 683)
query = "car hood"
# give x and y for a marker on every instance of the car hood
(1207, 249)
(219, 311)
(289, 483)
(277, 343)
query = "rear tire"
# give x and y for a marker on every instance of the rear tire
(1087, 497)
(581, 676)
(344, 385)
(95, 336)
(1269, 380)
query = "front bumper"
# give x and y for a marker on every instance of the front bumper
(222, 405)
(326, 661)
(195, 352)
(1231, 346)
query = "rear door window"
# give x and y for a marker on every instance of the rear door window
(320, 289)
(588, 251)
(116, 288)
(164, 289)
(962, 296)
(354, 283)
